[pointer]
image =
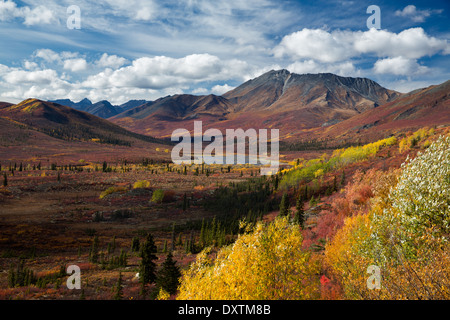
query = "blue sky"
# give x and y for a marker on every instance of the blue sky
(129, 49)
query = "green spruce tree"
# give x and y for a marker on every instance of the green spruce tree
(168, 275)
(299, 217)
(93, 255)
(147, 268)
(284, 205)
(118, 295)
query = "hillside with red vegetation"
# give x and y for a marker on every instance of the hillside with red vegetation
(423, 107)
(35, 129)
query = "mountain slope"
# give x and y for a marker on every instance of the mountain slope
(81, 105)
(424, 107)
(103, 109)
(68, 124)
(40, 130)
(278, 99)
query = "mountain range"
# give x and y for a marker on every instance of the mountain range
(304, 107)
(103, 109)
(276, 99)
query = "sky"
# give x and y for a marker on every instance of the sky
(118, 50)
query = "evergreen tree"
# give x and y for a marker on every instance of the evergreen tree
(203, 234)
(343, 178)
(179, 240)
(168, 275)
(113, 246)
(135, 244)
(5, 180)
(299, 217)
(118, 289)
(173, 237)
(93, 255)
(284, 205)
(147, 268)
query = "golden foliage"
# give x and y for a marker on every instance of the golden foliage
(141, 184)
(112, 190)
(265, 263)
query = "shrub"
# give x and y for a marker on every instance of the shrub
(341, 157)
(265, 263)
(157, 196)
(405, 234)
(141, 184)
(112, 190)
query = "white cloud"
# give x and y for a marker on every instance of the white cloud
(134, 9)
(4, 69)
(31, 16)
(221, 89)
(316, 44)
(408, 85)
(8, 10)
(411, 43)
(30, 65)
(345, 69)
(75, 65)
(399, 66)
(200, 91)
(164, 72)
(111, 61)
(41, 77)
(38, 15)
(334, 46)
(47, 55)
(416, 15)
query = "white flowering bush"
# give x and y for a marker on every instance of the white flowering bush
(422, 196)
(405, 234)
(418, 209)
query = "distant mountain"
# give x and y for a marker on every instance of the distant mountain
(82, 105)
(278, 99)
(132, 104)
(69, 124)
(103, 109)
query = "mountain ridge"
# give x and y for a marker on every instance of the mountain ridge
(103, 108)
(306, 106)
(310, 100)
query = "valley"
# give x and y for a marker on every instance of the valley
(87, 189)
